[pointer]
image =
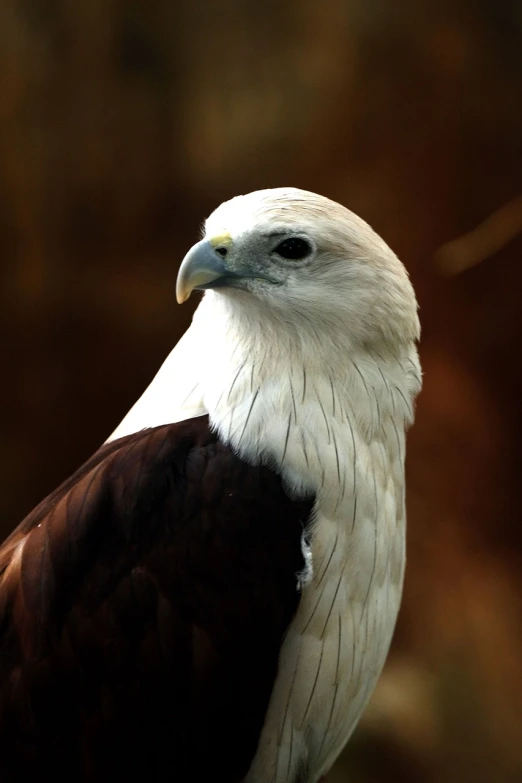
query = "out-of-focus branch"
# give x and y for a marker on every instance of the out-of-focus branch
(482, 242)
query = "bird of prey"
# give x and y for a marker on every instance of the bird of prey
(212, 595)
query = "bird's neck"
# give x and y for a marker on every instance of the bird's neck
(305, 402)
(308, 404)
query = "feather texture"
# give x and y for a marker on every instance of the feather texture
(143, 605)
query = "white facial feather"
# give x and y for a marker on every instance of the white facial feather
(354, 286)
(315, 376)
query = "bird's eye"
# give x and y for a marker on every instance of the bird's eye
(293, 248)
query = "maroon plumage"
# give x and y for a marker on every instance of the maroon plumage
(142, 609)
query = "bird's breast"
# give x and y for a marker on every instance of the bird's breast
(337, 644)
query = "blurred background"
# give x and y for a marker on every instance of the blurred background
(123, 123)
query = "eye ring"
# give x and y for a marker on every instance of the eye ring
(293, 248)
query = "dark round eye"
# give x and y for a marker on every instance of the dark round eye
(293, 248)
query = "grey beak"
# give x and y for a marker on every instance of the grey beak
(202, 265)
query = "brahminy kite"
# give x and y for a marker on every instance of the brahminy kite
(213, 594)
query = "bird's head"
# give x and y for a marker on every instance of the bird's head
(306, 260)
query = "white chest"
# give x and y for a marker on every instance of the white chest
(337, 645)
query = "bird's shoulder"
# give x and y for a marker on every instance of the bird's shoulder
(142, 608)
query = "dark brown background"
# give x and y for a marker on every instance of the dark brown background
(124, 123)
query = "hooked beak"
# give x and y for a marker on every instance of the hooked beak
(204, 267)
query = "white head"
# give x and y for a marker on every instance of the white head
(302, 297)
(309, 262)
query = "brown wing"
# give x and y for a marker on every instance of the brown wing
(142, 608)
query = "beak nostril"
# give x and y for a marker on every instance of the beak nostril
(221, 250)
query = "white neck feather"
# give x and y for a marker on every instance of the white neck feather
(278, 397)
